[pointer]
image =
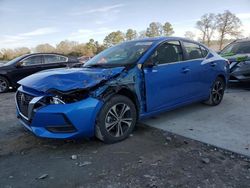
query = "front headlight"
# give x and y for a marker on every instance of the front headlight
(59, 97)
(56, 100)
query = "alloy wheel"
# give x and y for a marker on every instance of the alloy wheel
(3, 85)
(118, 119)
(218, 91)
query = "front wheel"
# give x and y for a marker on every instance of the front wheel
(4, 85)
(116, 119)
(217, 92)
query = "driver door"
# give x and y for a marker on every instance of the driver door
(166, 82)
(28, 66)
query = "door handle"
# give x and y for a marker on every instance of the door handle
(185, 70)
(213, 64)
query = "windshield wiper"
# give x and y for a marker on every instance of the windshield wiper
(103, 65)
(95, 65)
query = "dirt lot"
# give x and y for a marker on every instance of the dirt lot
(149, 158)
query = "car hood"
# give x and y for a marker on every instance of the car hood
(66, 79)
(237, 57)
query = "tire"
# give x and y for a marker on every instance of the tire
(217, 92)
(4, 85)
(116, 119)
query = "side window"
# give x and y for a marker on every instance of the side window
(204, 51)
(34, 60)
(193, 50)
(54, 59)
(168, 52)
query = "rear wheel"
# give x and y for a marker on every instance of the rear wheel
(4, 85)
(217, 92)
(116, 120)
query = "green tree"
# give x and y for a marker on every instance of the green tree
(99, 47)
(1, 56)
(66, 47)
(90, 48)
(228, 24)
(113, 38)
(168, 29)
(21, 51)
(155, 29)
(189, 35)
(142, 34)
(45, 48)
(78, 50)
(9, 54)
(131, 34)
(207, 26)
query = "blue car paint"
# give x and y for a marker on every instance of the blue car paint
(153, 97)
(81, 114)
(66, 79)
(132, 80)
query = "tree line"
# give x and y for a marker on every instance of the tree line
(222, 25)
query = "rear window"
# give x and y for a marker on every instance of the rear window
(54, 59)
(193, 50)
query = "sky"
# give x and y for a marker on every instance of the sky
(30, 22)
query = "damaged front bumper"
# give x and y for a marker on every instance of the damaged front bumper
(62, 121)
(240, 71)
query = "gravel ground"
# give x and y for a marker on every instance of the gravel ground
(149, 158)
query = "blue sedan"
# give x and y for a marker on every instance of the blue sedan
(121, 85)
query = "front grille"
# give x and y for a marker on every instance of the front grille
(23, 101)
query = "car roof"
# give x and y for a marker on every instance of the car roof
(162, 39)
(242, 40)
(45, 54)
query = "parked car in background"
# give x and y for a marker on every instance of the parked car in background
(28, 64)
(84, 59)
(124, 83)
(238, 54)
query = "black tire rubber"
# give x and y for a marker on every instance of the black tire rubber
(211, 100)
(7, 82)
(100, 129)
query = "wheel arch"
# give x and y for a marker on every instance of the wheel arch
(125, 91)
(6, 77)
(131, 95)
(223, 77)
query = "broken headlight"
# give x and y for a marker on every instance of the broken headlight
(56, 100)
(59, 97)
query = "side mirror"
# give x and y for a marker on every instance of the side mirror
(151, 62)
(19, 65)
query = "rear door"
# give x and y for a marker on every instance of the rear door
(52, 61)
(166, 84)
(199, 75)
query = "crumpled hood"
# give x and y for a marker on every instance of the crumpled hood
(236, 57)
(65, 79)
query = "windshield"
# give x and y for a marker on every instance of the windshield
(14, 60)
(236, 48)
(122, 54)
